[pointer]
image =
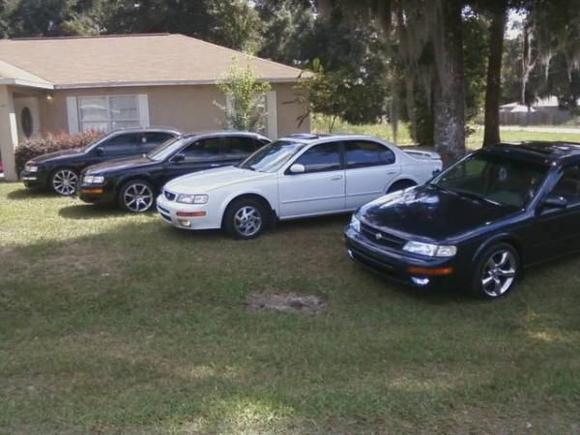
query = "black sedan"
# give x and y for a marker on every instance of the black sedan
(60, 171)
(134, 183)
(478, 224)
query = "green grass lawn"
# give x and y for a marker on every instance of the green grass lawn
(117, 323)
(321, 124)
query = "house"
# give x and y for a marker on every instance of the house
(73, 84)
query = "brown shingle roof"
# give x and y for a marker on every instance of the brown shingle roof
(132, 60)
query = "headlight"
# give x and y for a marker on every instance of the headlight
(192, 199)
(31, 168)
(355, 223)
(430, 250)
(93, 179)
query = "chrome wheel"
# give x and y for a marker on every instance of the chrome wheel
(138, 197)
(248, 221)
(499, 273)
(64, 182)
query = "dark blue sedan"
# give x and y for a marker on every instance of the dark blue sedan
(479, 223)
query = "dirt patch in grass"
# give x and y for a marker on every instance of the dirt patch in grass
(286, 303)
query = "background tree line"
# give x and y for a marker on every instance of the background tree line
(435, 63)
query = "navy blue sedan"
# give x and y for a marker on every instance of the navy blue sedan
(479, 223)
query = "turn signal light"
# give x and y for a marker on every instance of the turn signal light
(191, 213)
(93, 191)
(425, 271)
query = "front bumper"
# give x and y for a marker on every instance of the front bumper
(96, 194)
(187, 216)
(33, 180)
(398, 266)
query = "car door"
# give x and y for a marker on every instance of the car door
(320, 189)
(556, 230)
(117, 147)
(370, 168)
(204, 153)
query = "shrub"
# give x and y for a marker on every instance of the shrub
(50, 143)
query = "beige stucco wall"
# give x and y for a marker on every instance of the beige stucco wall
(187, 108)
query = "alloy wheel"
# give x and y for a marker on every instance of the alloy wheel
(499, 273)
(248, 221)
(64, 182)
(138, 197)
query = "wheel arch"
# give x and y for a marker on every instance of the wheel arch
(253, 195)
(133, 177)
(403, 178)
(508, 238)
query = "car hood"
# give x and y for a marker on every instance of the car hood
(57, 156)
(430, 214)
(120, 165)
(212, 179)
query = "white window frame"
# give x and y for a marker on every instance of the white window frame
(74, 117)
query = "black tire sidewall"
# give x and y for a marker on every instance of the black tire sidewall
(125, 186)
(476, 287)
(232, 209)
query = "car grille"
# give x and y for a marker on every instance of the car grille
(170, 196)
(381, 237)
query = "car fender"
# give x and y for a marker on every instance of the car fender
(498, 238)
(242, 192)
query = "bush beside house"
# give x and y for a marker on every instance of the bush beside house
(51, 143)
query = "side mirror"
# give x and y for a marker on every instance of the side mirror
(555, 201)
(100, 151)
(177, 158)
(297, 168)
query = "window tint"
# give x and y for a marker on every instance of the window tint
(360, 154)
(156, 138)
(205, 149)
(569, 185)
(242, 146)
(325, 157)
(121, 141)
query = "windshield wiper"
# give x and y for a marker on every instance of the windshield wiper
(475, 196)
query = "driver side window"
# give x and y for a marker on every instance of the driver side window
(568, 186)
(321, 158)
(205, 149)
(121, 144)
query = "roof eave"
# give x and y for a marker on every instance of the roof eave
(274, 80)
(26, 83)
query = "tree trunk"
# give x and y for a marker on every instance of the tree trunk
(493, 89)
(449, 92)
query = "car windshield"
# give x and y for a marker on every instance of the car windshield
(502, 180)
(271, 157)
(167, 149)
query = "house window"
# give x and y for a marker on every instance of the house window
(107, 112)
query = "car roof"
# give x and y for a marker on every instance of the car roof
(146, 130)
(307, 138)
(223, 133)
(543, 152)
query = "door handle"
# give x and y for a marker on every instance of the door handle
(336, 178)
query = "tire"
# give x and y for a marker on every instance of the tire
(401, 185)
(499, 265)
(246, 218)
(137, 196)
(64, 181)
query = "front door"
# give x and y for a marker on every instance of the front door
(558, 229)
(203, 154)
(320, 189)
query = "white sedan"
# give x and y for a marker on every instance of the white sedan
(294, 177)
